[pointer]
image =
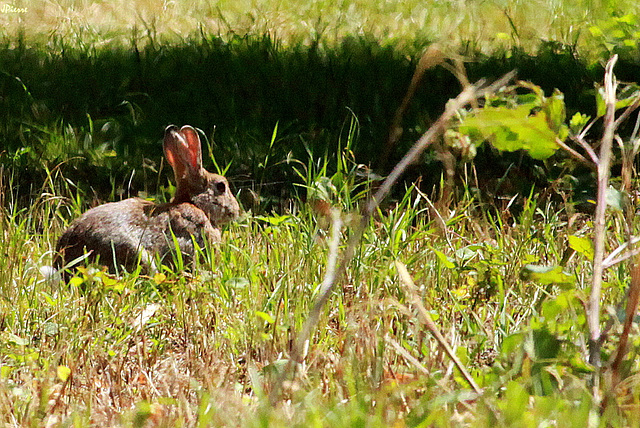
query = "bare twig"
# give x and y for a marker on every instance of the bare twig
(635, 141)
(469, 93)
(585, 130)
(425, 318)
(627, 112)
(632, 306)
(579, 139)
(406, 355)
(593, 313)
(575, 154)
(613, 259)
(431, 58)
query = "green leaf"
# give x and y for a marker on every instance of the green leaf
(596, 31)
(630, 19)
(237, 282)
(265, 316)
(546, 275)
(578, 121)
(601, 106)
(17, 340)
(545, 344)
(625, 98)
(63, 373)
(516, 401)
(615, 198)
(276, 220)
(511, 129)
(578, 364)
(5, 371)
(159, 278)
(512, 343)
(555, 109)
(468, 252)
(444, 259)
(76, 281)
(582, 245)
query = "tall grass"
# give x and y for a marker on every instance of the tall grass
(205, 349)
(302, 94)
(487, 25)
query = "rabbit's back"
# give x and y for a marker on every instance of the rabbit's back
(121, 233)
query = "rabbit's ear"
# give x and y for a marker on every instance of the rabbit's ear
(174, 147)
(193, 154)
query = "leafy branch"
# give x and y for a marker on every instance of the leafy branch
(535, 123)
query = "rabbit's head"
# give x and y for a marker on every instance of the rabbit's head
(207, 191)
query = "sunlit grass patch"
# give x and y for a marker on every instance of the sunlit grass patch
(485, 25)
(164, 346)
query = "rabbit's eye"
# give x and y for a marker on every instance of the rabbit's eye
(221, 187)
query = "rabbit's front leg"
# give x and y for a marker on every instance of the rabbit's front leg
(189, 223)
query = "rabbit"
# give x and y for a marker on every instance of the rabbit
(132, 231)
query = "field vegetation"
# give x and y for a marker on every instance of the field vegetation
(403, 259)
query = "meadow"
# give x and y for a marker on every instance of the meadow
(463, 295)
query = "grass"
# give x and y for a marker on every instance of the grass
(216, 339)
(487, 25)
(303, 95)
(206, 349)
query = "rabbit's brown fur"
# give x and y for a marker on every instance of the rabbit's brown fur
(123, 233)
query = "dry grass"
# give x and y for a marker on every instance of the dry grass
(487, 26)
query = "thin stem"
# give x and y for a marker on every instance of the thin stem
(587, 148)
(575, 154)
(425, 318)
(593, 313)
(633, 298)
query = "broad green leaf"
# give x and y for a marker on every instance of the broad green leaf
(630, 19)
(546, 275)
(601, 106)
(624, 98)
(578, 364)
(555, 110)
(468, 252)
(516, 399)
(511, 129)
(511, 344)
(5, 371)
(275, 220)
(582, 245)
(596, 31)
(545, 344)
(615, 198)
(76, 281)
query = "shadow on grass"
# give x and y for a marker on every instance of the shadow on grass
(109, 104)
